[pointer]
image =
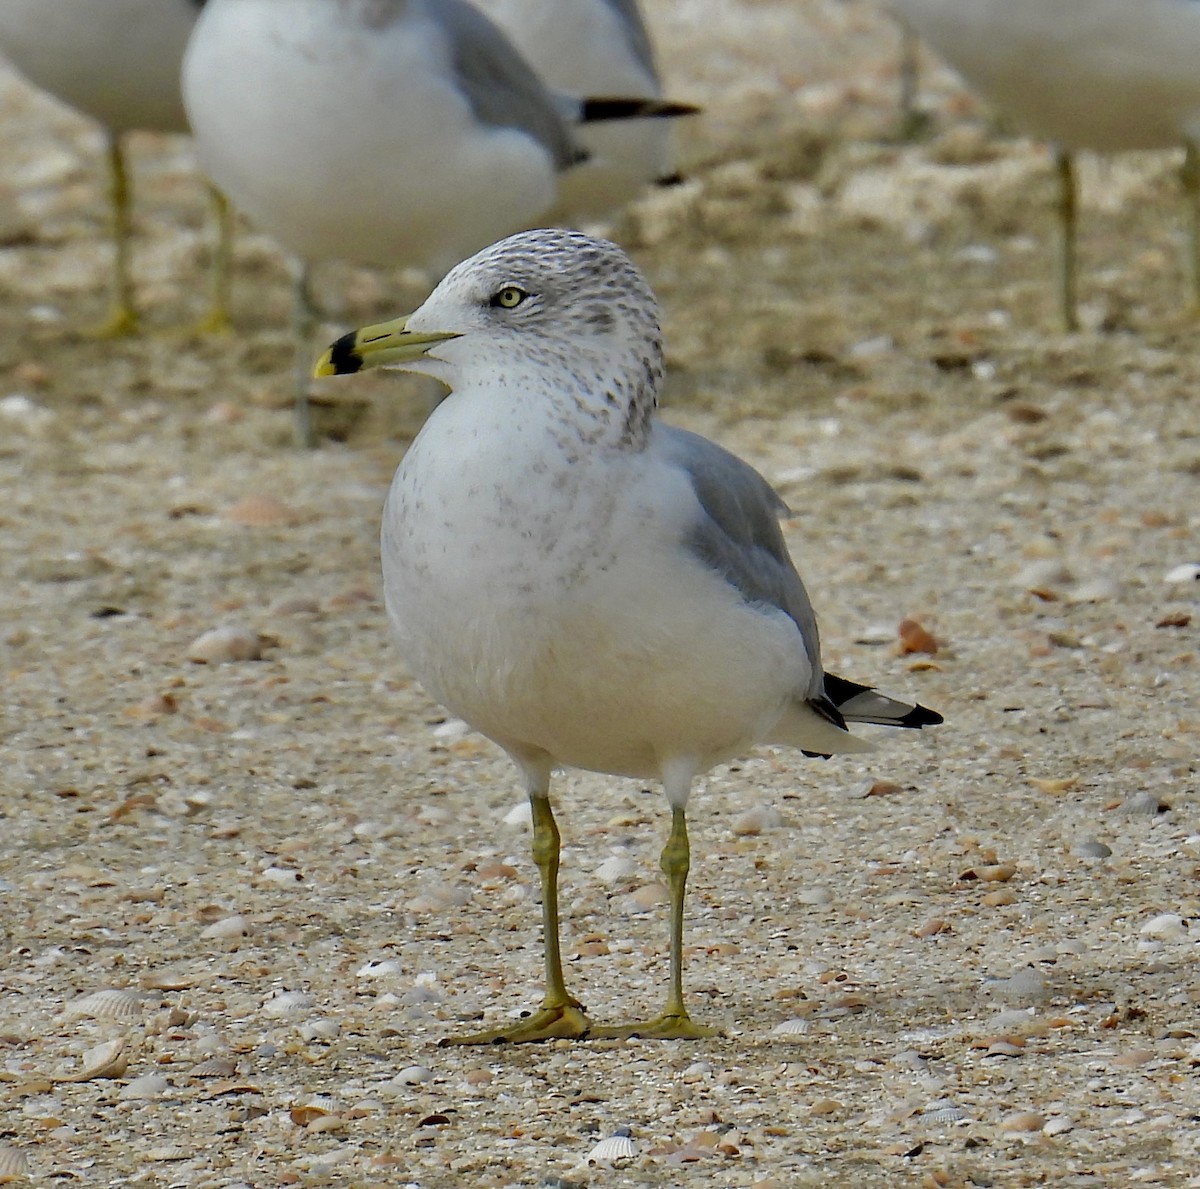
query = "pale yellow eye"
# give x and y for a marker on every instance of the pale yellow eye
(509, 297)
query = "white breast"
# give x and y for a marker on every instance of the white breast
(550, 603)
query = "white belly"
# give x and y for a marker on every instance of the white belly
(551, 619)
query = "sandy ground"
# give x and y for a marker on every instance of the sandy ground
(965, 961)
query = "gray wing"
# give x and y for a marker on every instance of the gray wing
(502, 88)
(739, 535)
(636, 34)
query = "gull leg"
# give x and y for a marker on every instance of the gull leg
(304, 324)
(218, 320)
(913, 122)
(1068, 207)
(1189, 175)
(561, 1016)
(122, 318)
(673, 1022)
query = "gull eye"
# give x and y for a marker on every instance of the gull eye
(508, 297)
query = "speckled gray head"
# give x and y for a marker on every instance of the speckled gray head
(557, 305)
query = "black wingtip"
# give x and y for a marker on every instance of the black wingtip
(598, 108)
(344, 357)
(920, 716)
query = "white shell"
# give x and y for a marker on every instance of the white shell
(795, 1027)
(451, 730)
(616, 1147)
(615, 868)
(149, 1085)
(1188, 572)
(288, 1003)
(942, 1112)
(234, 926)
(1167, 926)
(220, 645)
(112, 1004)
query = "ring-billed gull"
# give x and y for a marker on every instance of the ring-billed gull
(118, 62)
(384, 132)
(595, 47)
(1104, 75)
(582, 584)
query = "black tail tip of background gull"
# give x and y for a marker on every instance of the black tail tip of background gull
(598, 108)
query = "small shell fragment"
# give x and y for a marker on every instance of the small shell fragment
(989, 873)
(149, 1085)
(13, 1165)
(288, 1003)
(615, 1147)
(757, 819)
(227, 927)
(915, 637)
(221, 645)
(107, 1060)
(168, 1152)
(1024, 1121)
(1167, 926)
(1188, 572)
(114, 1004)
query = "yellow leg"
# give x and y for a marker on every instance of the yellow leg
(673, 1022)
(218, 319)
(561, 1016)
(1189, 175)
(1068, 209)
(122, 318)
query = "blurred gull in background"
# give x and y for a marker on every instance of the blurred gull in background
(118, 62)
(384, 132)
(1104, 75)
(595, 47)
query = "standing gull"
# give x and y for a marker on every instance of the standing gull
(582, 584)
(1104, 75)
(594, 47)
(118, 62)
(384, 132)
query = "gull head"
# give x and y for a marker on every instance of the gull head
(549, 302)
